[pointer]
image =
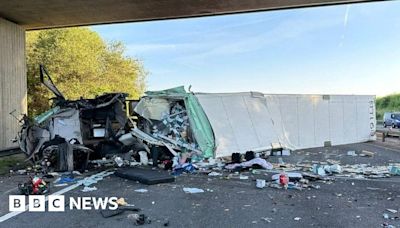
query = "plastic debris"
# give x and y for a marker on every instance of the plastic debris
(392, 210)
(291, 175)
(143, 158)
(351, 153)
(366, 153)
(260, 183)
(193, 190)
(284, 180)
(62, 180)
(142, 190)
(336, 168)
(214, 174)
(139, 219)
(22, 171)
(394, 170)
(35, 186)
(119, 161)
(121, 201)
(187, 167)
(256, 161)
(75, 172)
(318, 169)
(89, 189)
(267, 219)
(297, 218)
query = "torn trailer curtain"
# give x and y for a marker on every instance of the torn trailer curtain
(157, 103)
(255, 121)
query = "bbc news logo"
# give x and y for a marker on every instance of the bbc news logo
(56, 203)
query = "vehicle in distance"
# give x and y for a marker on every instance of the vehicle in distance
(391, 119)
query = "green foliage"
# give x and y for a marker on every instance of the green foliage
(81, 64)
(390, 103)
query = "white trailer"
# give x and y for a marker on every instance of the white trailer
(254, 121)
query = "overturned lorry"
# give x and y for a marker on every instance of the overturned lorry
(175, 126)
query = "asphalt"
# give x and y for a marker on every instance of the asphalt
(232, 202)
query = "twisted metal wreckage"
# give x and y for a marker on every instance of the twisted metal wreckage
(75, 133)
(175, 126)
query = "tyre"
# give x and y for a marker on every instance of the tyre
(393, 125)
(384, 124)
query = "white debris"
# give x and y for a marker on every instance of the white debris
(351, 153)
(267, 219)
(214, 174)
(193, 190)
(260, 183)
(142, 190)
(392, 210)
(119, 161)
(143, 158)
(89, 189)
(77, 173)
(297, 218)
(336, 168)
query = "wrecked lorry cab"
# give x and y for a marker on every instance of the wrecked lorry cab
(72, 129)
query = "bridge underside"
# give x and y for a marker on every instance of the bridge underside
(41, 14)
(18, 16)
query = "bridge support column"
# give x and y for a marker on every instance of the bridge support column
(13, 81)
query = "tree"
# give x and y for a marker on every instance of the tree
(81, 64)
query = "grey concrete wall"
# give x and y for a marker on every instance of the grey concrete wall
(13, 84)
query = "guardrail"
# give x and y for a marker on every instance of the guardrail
(10, 151)
(389, 132)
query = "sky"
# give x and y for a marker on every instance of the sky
(343, 49)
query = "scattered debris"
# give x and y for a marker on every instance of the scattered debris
(392, 210)
(141, 190)
(89, 189)
(35, 186)
(193, 190)
(351, 153)
(121, 209)
(214, 174)
(121, 201)
(366, 153)
(291, 176)
(65, 180)
(297, 218)
(267, 219)
(256, 161)
(260, 183)
(394, 170)
(139, 219)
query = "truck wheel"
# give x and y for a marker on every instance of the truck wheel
(384, 124)
(393, 125)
